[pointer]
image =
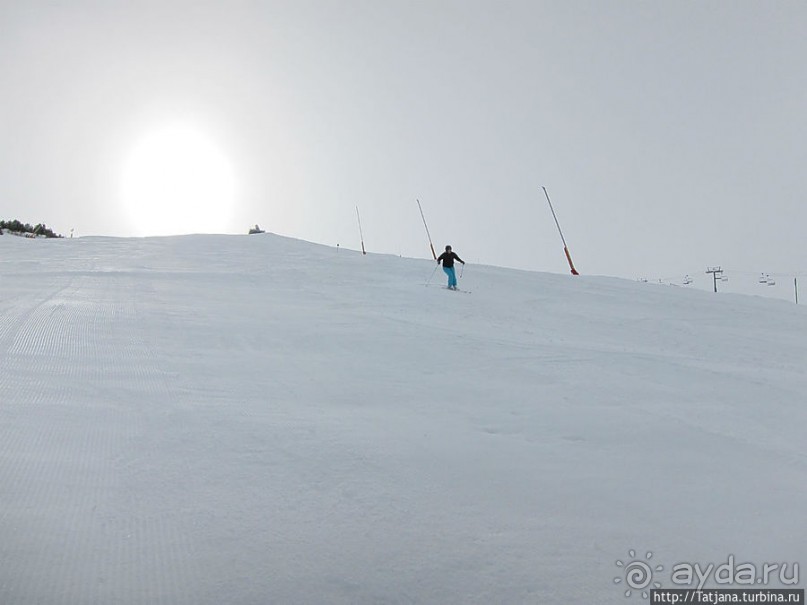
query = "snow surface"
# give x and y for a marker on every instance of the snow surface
(253, 419)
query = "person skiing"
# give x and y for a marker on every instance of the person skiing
(448, 257)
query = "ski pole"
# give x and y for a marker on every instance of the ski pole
(462, 269)
(428, 281)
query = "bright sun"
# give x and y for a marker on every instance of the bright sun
(177, 181)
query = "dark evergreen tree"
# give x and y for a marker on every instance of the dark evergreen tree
(16, 226)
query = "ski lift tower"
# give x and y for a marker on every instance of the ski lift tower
(717, 273)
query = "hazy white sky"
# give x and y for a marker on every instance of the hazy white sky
(670, 134)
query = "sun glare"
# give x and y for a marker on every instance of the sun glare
(177, 181)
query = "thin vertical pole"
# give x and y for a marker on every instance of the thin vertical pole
(431, 245)
(361, 235)
(563, 239)
(796, 288)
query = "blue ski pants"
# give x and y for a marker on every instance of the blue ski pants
(452, 277)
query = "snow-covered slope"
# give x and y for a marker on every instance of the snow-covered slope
(252, 419)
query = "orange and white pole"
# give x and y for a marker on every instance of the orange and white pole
(361, 235)
(563, 239)
(431, 245)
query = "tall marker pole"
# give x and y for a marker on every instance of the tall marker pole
(431, 245)
(563, 239)
(361, 235)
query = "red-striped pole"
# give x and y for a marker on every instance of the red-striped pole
(563, 239)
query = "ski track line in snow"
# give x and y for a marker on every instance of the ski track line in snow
(72, 467)
(20, 309)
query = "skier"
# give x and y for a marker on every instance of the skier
(448, 257)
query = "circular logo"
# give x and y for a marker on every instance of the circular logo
(638, 574)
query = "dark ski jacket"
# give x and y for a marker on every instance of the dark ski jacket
(448, 259)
